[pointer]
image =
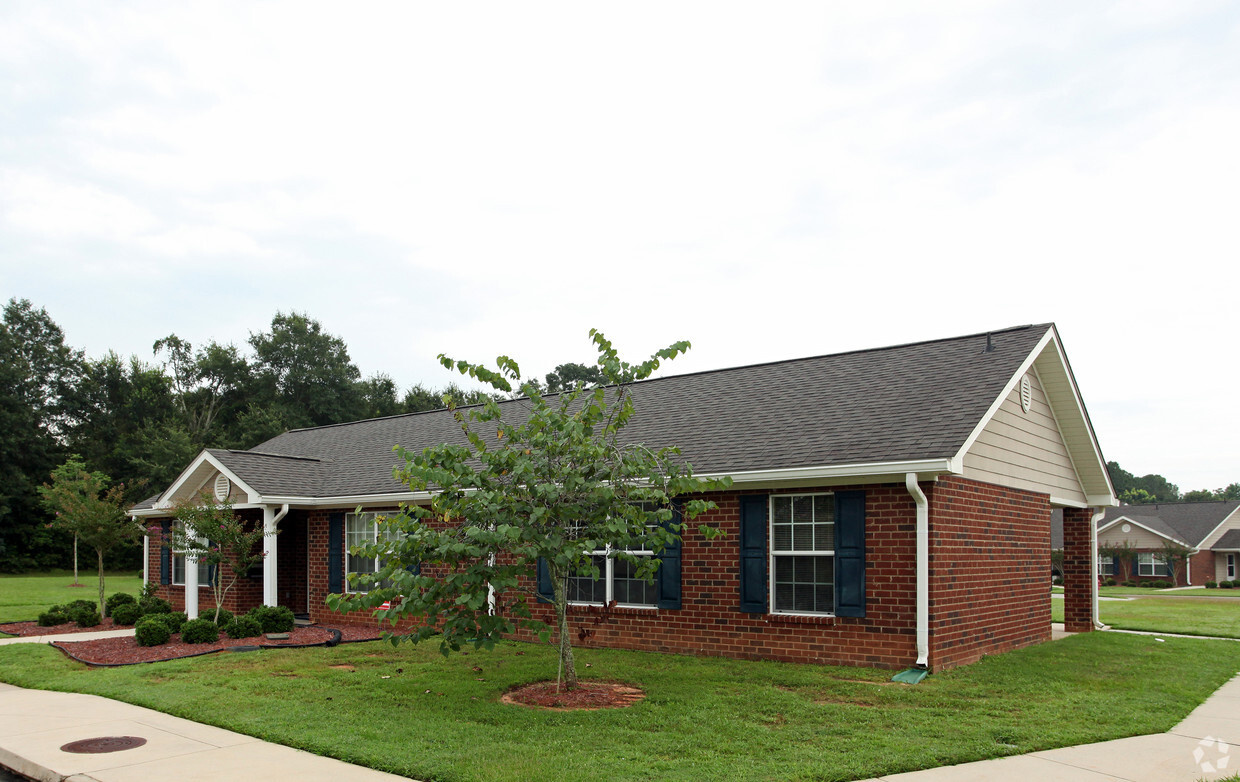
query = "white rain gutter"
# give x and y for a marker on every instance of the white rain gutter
(923, 569)
(1093, 568)
(270, 558)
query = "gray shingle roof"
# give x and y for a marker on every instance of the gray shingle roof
(907, 402)
(1190, 522)
(1229, 540)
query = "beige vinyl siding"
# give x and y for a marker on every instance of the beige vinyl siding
(1024, 450)
(1228, 524)
(1137, 537)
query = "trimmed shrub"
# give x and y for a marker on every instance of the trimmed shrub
(1057, 580)
(1225, 585)
(56, 615)
(81, 605)
(200, 631)
(226, 617)
(244, 627)
(1108, 582)
(155, 605)
(126, 613)
(119, 599)
(85, 617)
(175, 620)
(151, 631)
(1147, 584)
(1163, 584)
(1130, 582)
(273, 619)
(1211, 585)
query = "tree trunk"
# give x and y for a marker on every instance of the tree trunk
(75, 560)
(99, 551)
(559, 581)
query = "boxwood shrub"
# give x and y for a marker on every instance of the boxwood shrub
(200, 631)
(1225, 585)
(85, 616)
(244, 627)
(155, 605)
(175, 620)
(1211, 585)
(273, 619)
(125, 613)
(151, 631)
(225, 619)
(56, 615)
(119, 599)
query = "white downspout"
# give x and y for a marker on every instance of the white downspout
(1093, 568)
(923, 569)
(146, 555)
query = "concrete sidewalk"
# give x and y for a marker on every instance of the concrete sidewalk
(35, 724)
(1205, 745)
(47, 639)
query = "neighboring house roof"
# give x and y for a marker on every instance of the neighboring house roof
(1185, 522)
(902, 406)
(1229, 542)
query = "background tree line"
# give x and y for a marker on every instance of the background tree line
(141, 423)
(1153, 488)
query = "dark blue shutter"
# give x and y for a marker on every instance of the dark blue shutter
(165, 554)
(850, 553)
(546, 590)
(335, 553)
(668, 580)
(753, 553)
(1136, 566)
(1114, 567)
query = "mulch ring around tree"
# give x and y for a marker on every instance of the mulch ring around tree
(111, 652)
(586, 696)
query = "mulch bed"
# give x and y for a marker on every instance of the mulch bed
(125, 651)
(587, 696)
(32, 628)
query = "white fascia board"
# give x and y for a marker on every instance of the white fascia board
(1060, 502)
(1162, 535)
(1102, 501)
(352, 501)
(868, 470)
(205, 458)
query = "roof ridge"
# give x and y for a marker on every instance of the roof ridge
(275, 455)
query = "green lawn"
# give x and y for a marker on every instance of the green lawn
(25, 597)
(704, 718)
(1166, 614)
(1143, 592)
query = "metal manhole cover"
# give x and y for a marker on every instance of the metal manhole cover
(103, 744)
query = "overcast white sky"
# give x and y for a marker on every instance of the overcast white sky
(767, 180)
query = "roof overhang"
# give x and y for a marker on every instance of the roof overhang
(1051, 364)
(191, 480)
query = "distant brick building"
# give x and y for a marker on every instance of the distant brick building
(889, 507)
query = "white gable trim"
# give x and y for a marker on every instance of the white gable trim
(1150, 530)
(195, 468)
(1218, 526)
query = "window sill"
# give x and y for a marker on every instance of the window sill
(801, 619)
(594, 608)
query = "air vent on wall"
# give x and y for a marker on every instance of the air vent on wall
(221, 487)
(1026, 393)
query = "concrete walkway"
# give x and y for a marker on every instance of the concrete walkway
(47, 639)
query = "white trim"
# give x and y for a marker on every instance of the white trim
(205, 457)
(923, 569)
(1007, 390)
(771, 553)
(1059, 428)
(1110, 524)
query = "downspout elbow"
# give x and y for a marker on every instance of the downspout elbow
(1093, 569)
(923, 569)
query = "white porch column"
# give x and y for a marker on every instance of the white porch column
(191, 586)
(270, 593)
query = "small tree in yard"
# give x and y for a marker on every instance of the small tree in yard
(209, 530)
(85, 505)
(1125, 552)
(542, 479)
(1174, 554)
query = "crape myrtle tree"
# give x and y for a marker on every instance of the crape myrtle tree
(1175, 555)
(543, 479)
(208, 530)
(84, 504)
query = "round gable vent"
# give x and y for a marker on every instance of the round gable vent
(222, 487)
(1026, 393)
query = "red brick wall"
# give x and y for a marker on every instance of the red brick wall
(247, 593)
(291, 550)
(989, 559)
(1077, 568)
(1201, 566)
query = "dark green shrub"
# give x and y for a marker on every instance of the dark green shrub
(200, 631)
(81, 605)
(56, 615)
(1147, 584)
(273, 619)
(118, 599)
(174, 620)
(226, 617)
(1225, 585)
(85, 616)
(1211, 585)
(154, 605)
(1108, 582)
(1057, 580)
(1163, 584)
(126, 613)
(1130, 583)
(244, 627)
(151, 631)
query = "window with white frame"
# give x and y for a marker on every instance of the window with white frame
(361, 529)
(1231, 567)
(178, 568)
(617, 580)
(802, 562)
(1106, 566)
(1150, 564)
